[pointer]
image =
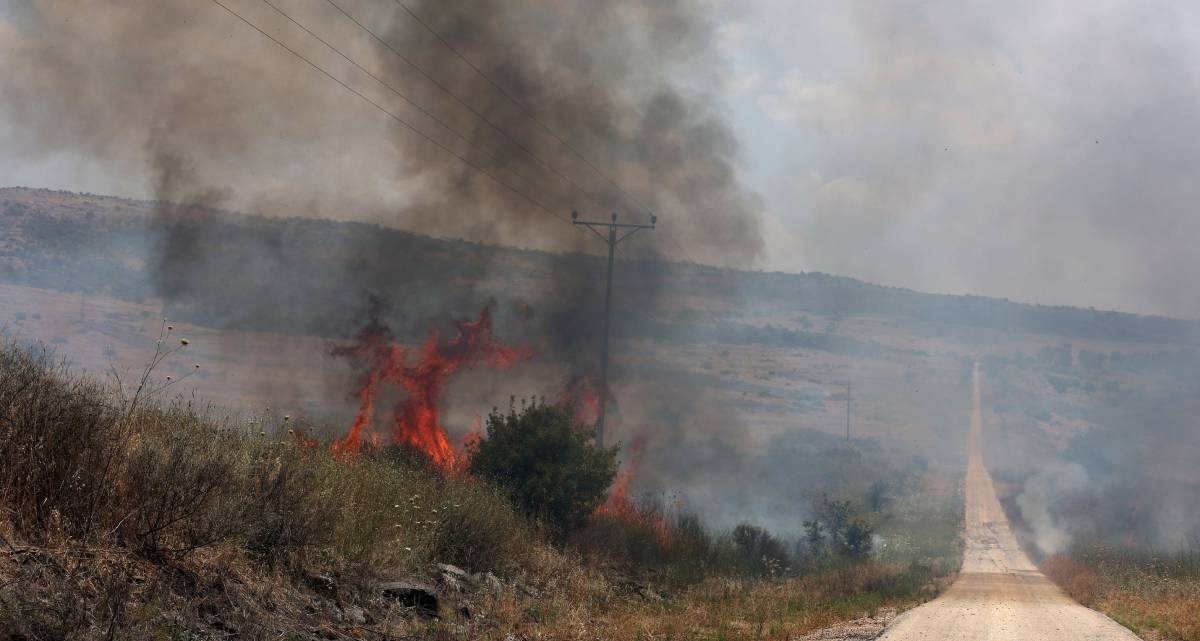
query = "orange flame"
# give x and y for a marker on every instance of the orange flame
(620, 506)
(416, 421)
(582, 395)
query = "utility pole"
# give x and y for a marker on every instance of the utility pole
(847, 411)
(612, 239)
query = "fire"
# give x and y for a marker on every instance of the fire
(582, 394)
(620, 506)
(422, 373)
(472, 438)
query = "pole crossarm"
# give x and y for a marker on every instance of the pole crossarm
(612, 240)
(590, 223)
(595, 226)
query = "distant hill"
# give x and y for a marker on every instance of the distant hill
(317, 277)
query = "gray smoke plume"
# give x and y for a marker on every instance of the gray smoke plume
(1035, 501)
(210, 113)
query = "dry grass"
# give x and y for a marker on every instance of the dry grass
(1155, 595)
(92, 592)
(581, 606)
(85, 593)
(1076, 579)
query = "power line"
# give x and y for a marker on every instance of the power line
(388, 86)
(468, 107)
(681, 249)
(442, 123)
(432, 116)
(529, 114)
(525, 110)
(391, 115)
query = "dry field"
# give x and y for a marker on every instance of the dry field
(1158, 597)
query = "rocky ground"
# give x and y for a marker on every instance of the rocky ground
(856, 630)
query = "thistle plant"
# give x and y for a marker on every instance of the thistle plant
(146, 388)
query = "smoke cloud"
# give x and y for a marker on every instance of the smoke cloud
(212, 114)
(1035, 501)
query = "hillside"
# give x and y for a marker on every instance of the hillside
(99, 244)
(715, 371)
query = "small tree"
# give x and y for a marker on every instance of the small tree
(856, 541)
(848, 537)
(834, 514)
(546, 463)
(814, 535)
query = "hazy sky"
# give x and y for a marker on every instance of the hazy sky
(1040, 151)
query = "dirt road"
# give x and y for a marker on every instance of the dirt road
(1000, 594)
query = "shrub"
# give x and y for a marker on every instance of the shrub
(478, 529)
(382, 508)
(634, 538)
(546, 464)
(696, 553)
(855, 542)
(837, 531)
(814, 535)
(392, 512)
(648, 543)
(59, 440)
(760, 553)
(173, 472)
(285, 504)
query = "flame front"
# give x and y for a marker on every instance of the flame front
(620, 506)
(416, 421)
(582, 395)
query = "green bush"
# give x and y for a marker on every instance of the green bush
(855, 543)
(837, 532)
(546, 464)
